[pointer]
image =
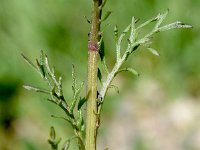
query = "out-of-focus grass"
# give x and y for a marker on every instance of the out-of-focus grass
(168, 83)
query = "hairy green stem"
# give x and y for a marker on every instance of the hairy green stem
(93, 48)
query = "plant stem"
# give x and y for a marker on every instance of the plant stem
(93, 48)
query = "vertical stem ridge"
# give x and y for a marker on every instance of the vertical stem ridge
(91, 103)
(93, 48)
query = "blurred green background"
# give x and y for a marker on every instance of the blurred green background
(160, 109)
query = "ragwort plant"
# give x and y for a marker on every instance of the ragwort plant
(85, 131)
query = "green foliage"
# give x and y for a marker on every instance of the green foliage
(73, 108)
(53, 141)
(28, 26)
(133, 43)
(73, 112)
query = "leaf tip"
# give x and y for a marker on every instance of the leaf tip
(27, 87)
(153, 51)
